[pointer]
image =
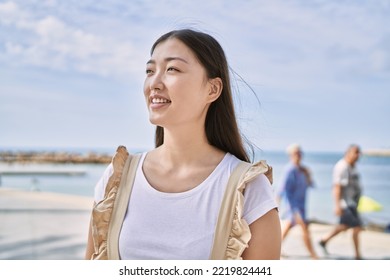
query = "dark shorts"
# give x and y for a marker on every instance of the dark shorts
(350, 217)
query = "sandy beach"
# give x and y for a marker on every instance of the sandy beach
(48, 226)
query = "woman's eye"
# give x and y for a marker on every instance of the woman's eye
(148, 71)
(172, 69)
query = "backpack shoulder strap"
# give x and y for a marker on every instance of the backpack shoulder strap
(227, 212)
(120, 205)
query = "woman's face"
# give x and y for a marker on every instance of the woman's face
(176, 87)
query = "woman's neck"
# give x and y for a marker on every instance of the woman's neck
(186, 147)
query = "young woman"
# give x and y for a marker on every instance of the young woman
(179, 186)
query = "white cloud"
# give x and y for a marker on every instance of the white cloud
(56, 45)
(8, 11)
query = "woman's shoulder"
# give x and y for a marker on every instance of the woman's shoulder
(259, 169)
(232, 159)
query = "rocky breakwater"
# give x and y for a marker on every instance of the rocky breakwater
(377, 152)
(53, 157)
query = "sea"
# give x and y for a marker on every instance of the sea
(374, 170)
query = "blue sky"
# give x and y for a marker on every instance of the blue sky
(71, 72)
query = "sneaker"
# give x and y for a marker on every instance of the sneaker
(323, 246)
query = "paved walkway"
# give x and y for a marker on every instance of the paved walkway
(374, 245)
(43, 226)
(48, 226)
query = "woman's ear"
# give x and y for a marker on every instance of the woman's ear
(215, 89)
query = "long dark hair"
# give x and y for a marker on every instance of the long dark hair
(221, 124)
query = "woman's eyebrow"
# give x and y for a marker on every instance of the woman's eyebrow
(152, 61)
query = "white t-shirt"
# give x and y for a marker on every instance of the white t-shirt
(348, 178)
(176, 226)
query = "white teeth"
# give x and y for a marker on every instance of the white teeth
(160, 100)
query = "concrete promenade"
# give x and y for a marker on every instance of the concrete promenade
(374, 245)
(48, 226)
(43, 226)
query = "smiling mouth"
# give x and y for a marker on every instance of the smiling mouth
(160, 101)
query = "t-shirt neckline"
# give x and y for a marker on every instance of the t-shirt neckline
(204, 184)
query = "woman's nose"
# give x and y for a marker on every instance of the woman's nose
(156, 82)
